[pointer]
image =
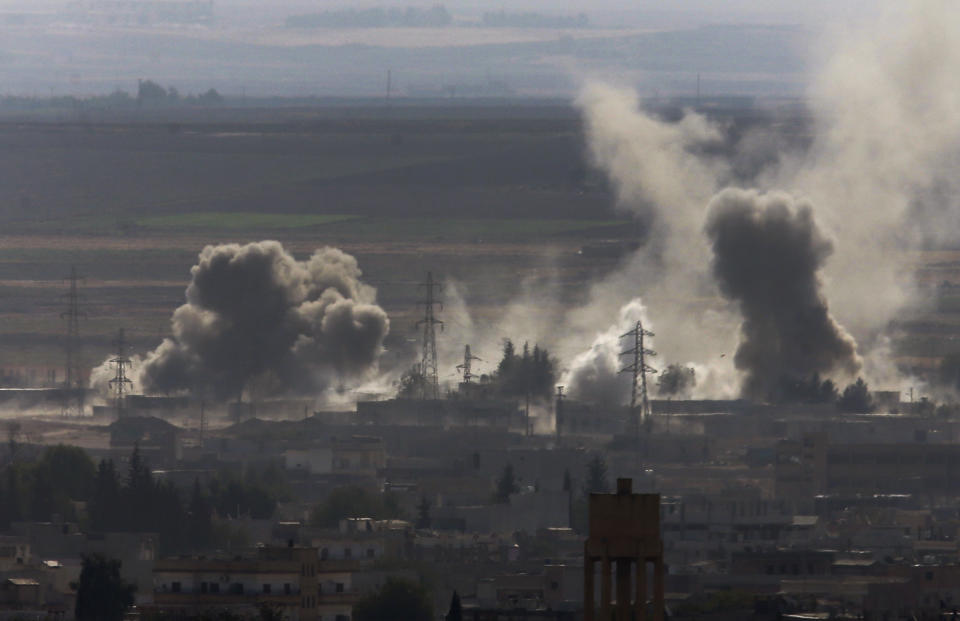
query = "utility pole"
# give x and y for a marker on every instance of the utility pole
(465, 367)
(120, 382)
(639, 368)
(72, 382)
(428, 360)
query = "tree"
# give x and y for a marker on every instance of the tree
(105, 505)
(353, 501)
(150, 91)
(806, 390)
(423, 513)
(11, 509)
(210, 98)
(62, 474)
(676, 381)
(102, 595)
(138, 493)
(68, 469)
(506, 485)
(597, 476)
(856, 398)
(199, 524)
(455, 613)
(507, 362)
(396, 600)
(949, 371)
(530, 374)
(411, 383)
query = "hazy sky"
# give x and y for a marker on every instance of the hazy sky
(658, 45)
(734, 9)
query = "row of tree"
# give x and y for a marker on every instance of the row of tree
(149, 92)
(855, 398)
(376, 17)
(531, 373)
(528, 19)
(64, 478)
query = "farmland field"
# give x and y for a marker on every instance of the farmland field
(489, 203)
(485, 202)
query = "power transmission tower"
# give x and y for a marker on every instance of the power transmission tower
(465, 367)
(120, 383)
(428, 361)
(73, 389)
(639, 368)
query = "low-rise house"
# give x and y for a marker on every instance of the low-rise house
(14, 552)
(283, 578)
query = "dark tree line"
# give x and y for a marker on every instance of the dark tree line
(149, 92)
(140, 503)
(133, 500)
(396, 600)
(530, 373)
(855, 398)
(62, 476)
(378, 17)
(102, 594)
(503, 19)
(354, 501)
(507, 485)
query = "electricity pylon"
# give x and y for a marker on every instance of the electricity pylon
(639, 368)
(120, 383)
(466, 367)
(73, 388)
(428, 361)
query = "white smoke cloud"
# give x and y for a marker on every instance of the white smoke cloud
(594, 374)
(101, 375)
(879, 174)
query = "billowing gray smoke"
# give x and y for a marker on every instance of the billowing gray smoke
(256, 315)
(676, 381)
(767, 256)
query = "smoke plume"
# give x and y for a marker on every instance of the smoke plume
(256, 316)
(676, 381)
(879, 166)
(101, 374)
(594, 374)
(767, 256)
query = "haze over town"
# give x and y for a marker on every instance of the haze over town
(320, 311)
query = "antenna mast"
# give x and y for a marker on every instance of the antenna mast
(428, 360)
(72, 377)
(639, 369)
(120, 383)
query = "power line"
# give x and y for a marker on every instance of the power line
(639, 369)
(428, 361)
